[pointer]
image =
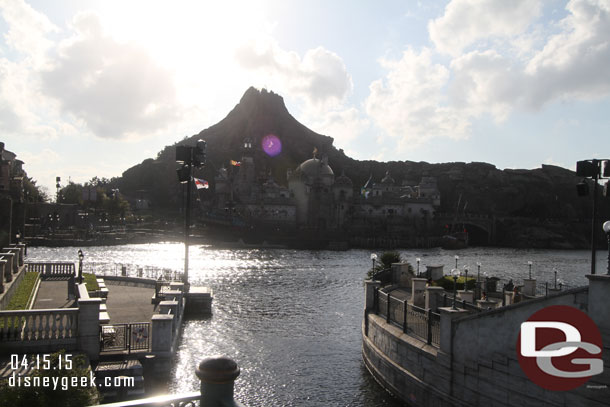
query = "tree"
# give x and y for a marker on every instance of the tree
(34, 193)
(64, 395)
(72, 194)
(385, 262)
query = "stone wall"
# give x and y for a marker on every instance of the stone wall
(407, 367)
(479, 366)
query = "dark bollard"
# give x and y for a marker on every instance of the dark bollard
(217, 375)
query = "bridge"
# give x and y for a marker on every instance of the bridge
(481, 228)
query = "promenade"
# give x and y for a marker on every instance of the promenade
(124, 304)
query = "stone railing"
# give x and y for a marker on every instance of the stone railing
(49, 330)
(50, 270)
(39, 325)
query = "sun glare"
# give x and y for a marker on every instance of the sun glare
(195, 40)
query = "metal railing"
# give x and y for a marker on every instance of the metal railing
(119, 337)
(414, 320)
(132, 270)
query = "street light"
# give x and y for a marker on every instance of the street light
(373, 258)
(592, 169)
(418, 260)
(555, 272)
(606, 228)
(456, 260)
(81, 256)
(529, 263)
(465, 278)
(455, 273)
(478, 285)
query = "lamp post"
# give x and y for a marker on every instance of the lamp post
(606, 228)
(81, 256)
(418, 260)
(190, 157)
(592, 169)
(478, 285)
(455, 273)
(466, 277)
(373, 258)
(555, 272)
(456, 260)
(529, 263)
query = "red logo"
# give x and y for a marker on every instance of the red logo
(560, 348)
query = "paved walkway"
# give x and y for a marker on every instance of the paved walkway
(129, 304)
(124, 303)
(53, 294)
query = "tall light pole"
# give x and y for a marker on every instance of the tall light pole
(373, 258)
(592, 169)
(455, 273)
(606, 228)
(456, 260)
(465, 278)
(529, 263)
(478, 286)
(417, 260)
(189, 157)
(81, 256)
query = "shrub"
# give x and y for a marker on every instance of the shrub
(447, 283)
(91, 282)
(24, 291)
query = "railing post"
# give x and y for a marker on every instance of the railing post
(217, 375)
(405, 306)
(376, 300)
(388, 309)
(429, 322)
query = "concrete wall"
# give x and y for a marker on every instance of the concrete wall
(480, 366)
(409, 368)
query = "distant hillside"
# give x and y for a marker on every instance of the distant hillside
(544, 195)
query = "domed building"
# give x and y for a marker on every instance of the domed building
(311, 184)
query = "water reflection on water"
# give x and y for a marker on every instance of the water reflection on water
(291, 319)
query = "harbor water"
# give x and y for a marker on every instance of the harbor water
(291, 319)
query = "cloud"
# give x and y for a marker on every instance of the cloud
(320, 77)
(468, 21)
(27, 29)
(574, 62)
(420, 99)
(344, 126)
(116, 89)
(409, 103)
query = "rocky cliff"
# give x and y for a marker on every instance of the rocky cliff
(533, 207)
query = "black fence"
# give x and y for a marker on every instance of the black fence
(125, 337)
(413, 320)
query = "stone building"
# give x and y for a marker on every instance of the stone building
(12, 200)
(315, 199)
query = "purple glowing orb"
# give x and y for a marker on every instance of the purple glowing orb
(271, 145)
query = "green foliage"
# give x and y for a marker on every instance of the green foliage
(91, 282)
(65, 395)
(23, 292)
(385, 262)
(447, 283)
(34, 193)
(72, 194)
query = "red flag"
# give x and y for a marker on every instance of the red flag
(201, 183)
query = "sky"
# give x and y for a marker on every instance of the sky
(91, 88)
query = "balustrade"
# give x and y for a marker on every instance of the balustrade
(38, 325)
